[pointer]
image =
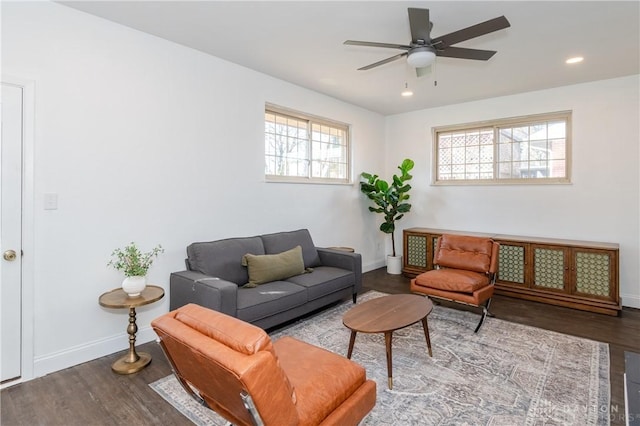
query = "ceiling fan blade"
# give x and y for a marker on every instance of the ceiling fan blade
(374, 44)
(464, 53)
(420, 25)
(382, 62)
(423, 71)
(473, 31)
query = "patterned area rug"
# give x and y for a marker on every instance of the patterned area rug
(506, 374)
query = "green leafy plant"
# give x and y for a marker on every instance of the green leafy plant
(390, 198)
(132, 261)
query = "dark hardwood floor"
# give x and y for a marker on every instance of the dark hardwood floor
(90, 394)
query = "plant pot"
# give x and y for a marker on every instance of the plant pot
(133, 286)
(394, 265)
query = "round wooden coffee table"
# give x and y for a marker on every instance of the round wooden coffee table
(385, 315)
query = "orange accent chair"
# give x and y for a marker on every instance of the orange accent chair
(233, 368)
(465, 272)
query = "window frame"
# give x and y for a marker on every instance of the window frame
(311, 120)
(496, 124)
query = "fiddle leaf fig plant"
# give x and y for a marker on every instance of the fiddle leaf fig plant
(390, 198)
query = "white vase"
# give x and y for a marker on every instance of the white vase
(133, 286)
(394, 265)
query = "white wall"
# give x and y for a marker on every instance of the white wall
(148, 141)
(601, 204)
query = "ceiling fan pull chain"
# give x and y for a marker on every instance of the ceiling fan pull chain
(435, 73)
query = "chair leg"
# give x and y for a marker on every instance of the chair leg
(251, 408)
(482, 317)
(485, 313)
(489, 314)
(354, 297)
(182, 382)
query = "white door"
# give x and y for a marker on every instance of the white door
(11, 232)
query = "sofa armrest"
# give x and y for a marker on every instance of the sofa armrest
(211, 292)
(344, 260)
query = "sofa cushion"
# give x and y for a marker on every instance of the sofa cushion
(457, 280)
(318, 375)
(223, 258)
(283, 241)
(324, 280)
(269, 299)
(464, 252)
(224, 329)
(273, 267)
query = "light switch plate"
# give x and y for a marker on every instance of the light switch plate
(51, 201)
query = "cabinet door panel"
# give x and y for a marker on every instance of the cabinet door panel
(550, 268)
(593, 273)
(512, 264)
(417, 251)
(419, 247)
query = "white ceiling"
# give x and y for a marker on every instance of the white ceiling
(301, 42)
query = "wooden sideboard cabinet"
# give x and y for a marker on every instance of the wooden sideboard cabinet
(575, 274)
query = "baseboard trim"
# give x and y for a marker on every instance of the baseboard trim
(70, 357)
(630, 300)
(372, 266)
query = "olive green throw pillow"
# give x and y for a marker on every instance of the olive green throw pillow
(272, 267)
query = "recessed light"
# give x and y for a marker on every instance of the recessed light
(574, 60)
(406, 92)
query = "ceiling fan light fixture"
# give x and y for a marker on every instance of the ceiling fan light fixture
(421, 58)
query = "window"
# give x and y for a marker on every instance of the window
(533, 149)
(302, 148)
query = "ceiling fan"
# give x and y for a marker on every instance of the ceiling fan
(422, 50)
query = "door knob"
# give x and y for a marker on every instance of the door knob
(9, 255)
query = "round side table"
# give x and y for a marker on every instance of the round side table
(132, 362)
(347, 249)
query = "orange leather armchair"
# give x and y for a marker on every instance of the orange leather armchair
(235, 369)
(466, 272)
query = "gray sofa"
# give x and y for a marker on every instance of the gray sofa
(215, 277)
